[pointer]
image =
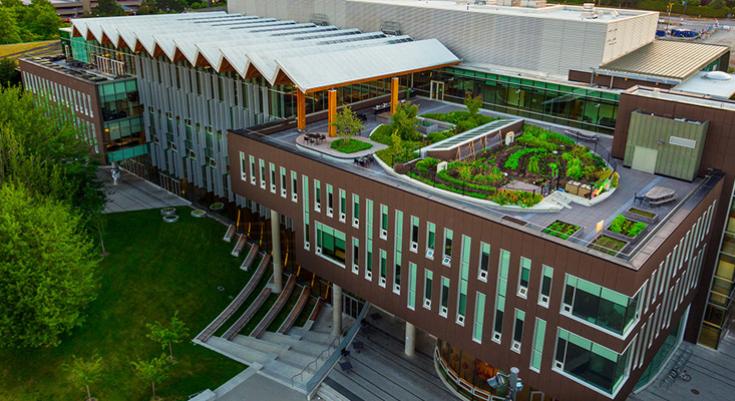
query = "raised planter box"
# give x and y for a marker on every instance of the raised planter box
(562, 229)
(608, 244)
(642, 215)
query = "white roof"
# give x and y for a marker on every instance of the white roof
(313, 57)
(718, 84)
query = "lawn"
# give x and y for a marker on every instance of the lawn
(627, 227)
(15, 48)
(608, 245)
(153, 269)
(350, 145)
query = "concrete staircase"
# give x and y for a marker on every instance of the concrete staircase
(327, 393)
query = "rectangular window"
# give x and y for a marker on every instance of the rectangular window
(369, 239)
(411, 286)
(282, 172)
(414, 234)
(479, 317)
(598, 305)
(503, 267)
(544, 295)
(317, 195)
(342, 205)
(272, 168)
(330, 200)
(355, 255)
(447, 253)
(524, 277)
(593, 364)
(539, 333)
(294, 187)
(330, 243)
(397, 251)
(355, 210)
(383, 221)
(305, 207)
(428, 283)
(484, 264)
(252, 170)
(243, 176)
(430, 239)
(383, 267)
(464, 275)
(261, 164)
(444, 295)
(520, 316)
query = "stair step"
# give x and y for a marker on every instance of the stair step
(279, 338)
(327, 393)
(259, 345)
(283, 372)
(247, 354)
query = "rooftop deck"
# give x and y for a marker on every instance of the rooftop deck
(632, 183)
(76, 69)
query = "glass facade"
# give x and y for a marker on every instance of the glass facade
(331, 242)
(576, 106)
(718, 312)
(598, 305)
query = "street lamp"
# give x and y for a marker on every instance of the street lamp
(514, 383)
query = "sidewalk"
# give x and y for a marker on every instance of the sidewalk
(134, 193)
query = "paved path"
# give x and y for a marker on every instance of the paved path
(711, 373)
(134, 193)
(259, 388)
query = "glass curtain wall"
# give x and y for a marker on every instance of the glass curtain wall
(575, 106)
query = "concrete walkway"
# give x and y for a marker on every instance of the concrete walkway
(134, 193)
(260, 388)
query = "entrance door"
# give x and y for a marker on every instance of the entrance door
(644, 159)
(351, 306)
(436, 91)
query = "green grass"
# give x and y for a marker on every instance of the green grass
(153, 269)
(249, 300)
(608, 245)
(283, 314)
(350, 145)
(461, 118)
(561, 229)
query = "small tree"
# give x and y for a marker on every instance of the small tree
(397, 146)
(347, 124)
(404, 121)
(167, 335)
(154, 371)
(84, 372)
(473, 104)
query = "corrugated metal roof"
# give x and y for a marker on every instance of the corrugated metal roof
(671, 59)
(312, 57)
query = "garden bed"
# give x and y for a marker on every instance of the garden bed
(350, 145)
(627, 227)
(611, 246)
(562, 229)
(645, 216)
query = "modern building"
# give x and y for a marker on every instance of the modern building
(224, 101)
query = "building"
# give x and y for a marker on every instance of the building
(225, 100)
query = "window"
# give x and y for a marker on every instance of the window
(330, 243)
(383, 221)
(539, 332)
(594, 365)
(503, 267)
(330, 200)
(317, 194)
(520, 316)
(464, 273)
(479, 317)
(444, 295)
(243, 176)
(261, 163)
(305, 207)
(342, 205)
(544, 295)
(282, 172)
(447, 255)
(598, 305)
(355, 210)
(355, 255)
(397, 252)
(414, 234)
(484, 264)
(411, 286)
(524, 277)
(294, 187)
(383, 267)
(430, 239)
(252, 169)
(428, 282)
(369, 240)
(272, 168)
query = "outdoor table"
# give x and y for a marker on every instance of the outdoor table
(658, 193)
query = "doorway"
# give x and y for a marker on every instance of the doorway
(436, 90)
(351, 305)
(644, 159)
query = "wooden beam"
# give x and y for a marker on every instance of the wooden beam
(300, 110)
(332, 103)
(394, 89)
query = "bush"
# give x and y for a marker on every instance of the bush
(427, 165)
(350, 145)
(520, 198)
(438, 136)
(515, 158)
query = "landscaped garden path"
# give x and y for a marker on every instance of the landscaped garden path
(153, 270)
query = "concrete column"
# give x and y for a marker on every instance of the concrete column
(276, 252)
(394, 89)
(332, 107)
(410, 346)
(336, 310)
(300, 110)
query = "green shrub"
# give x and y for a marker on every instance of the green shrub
(512, 162)
(520, 198)
(427, 165)
(438, 136)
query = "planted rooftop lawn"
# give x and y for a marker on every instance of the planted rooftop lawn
(350, 145)
(561, 229)
(627, 227)
(609, 245)
(153, 269)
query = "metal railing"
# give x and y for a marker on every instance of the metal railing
(461, 386)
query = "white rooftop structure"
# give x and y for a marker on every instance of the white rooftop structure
(716, 84)
(312, 57)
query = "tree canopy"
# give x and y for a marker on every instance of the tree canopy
(27, 23)
(83, 373)
(107, 8)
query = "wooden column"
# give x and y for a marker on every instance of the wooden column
(300, 110)
(332, 103)
(394, 89)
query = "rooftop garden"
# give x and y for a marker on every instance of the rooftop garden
(348, 125)
(561, 229)
(627, 227)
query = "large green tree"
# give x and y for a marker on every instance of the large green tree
(107, 8)
(9, 75)
(9, 31)
(47, 269)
